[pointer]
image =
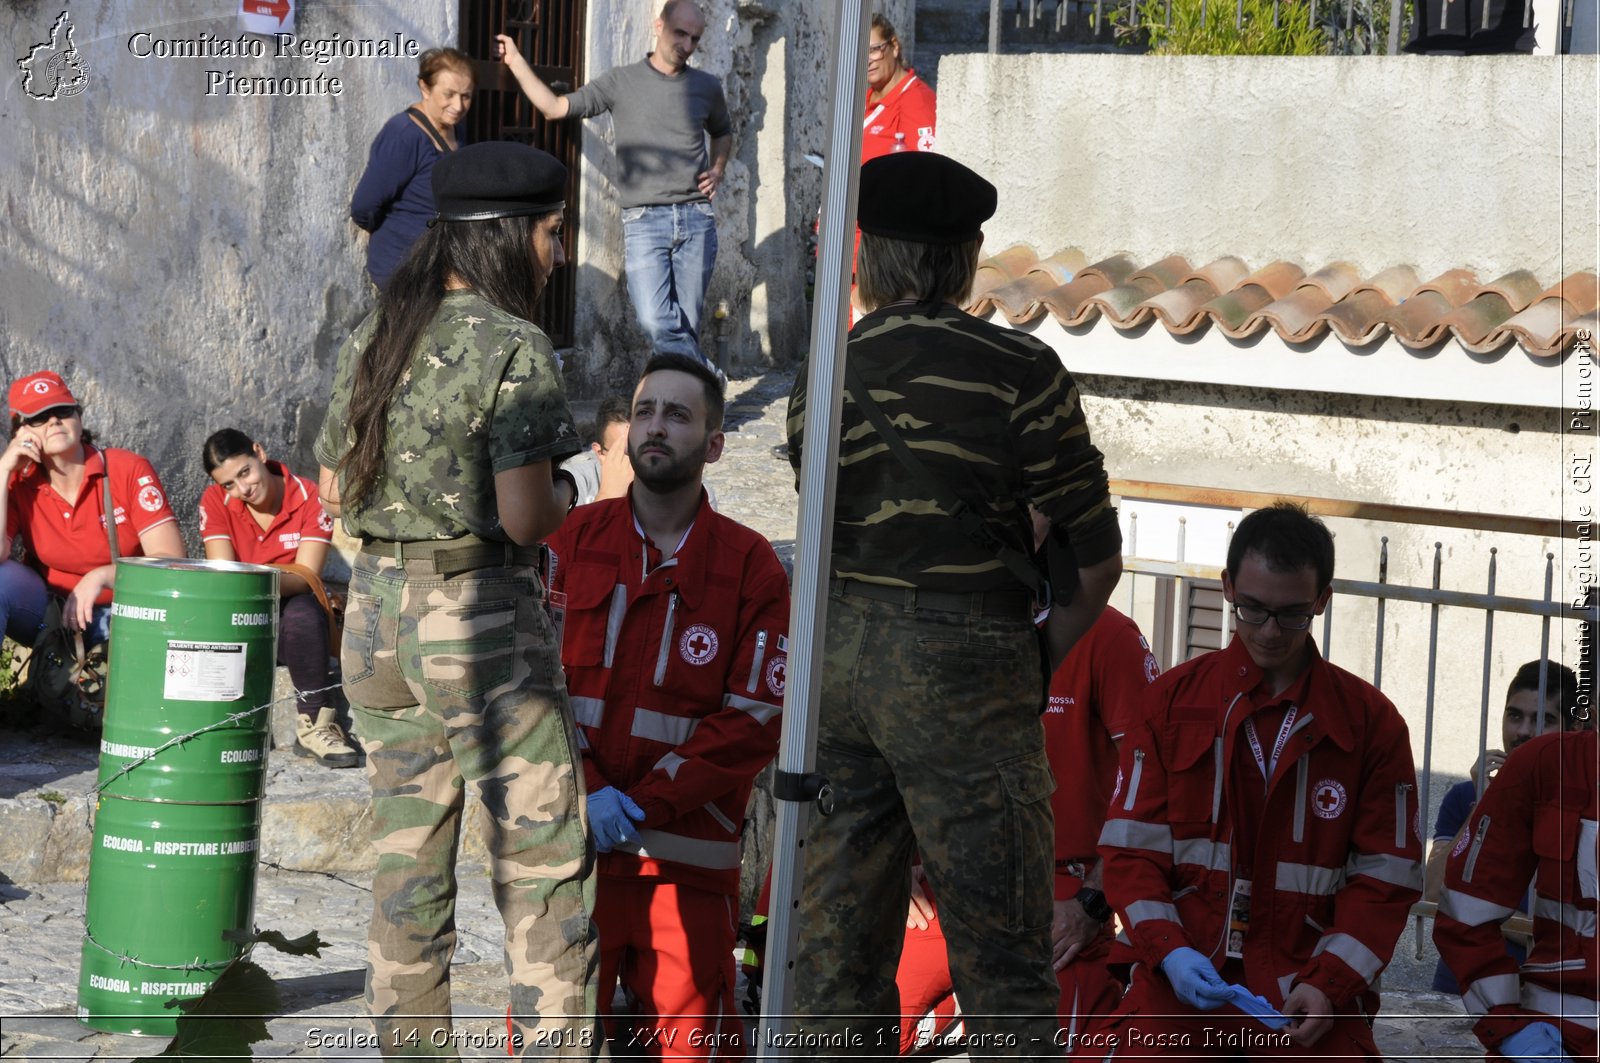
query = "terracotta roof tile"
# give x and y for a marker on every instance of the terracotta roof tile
(1551, 323)
(1019, 299)
(1477, 322)
(1124, 303)
(1180, 308)
(1298, 307)
(1359, 317)
(1236, 312)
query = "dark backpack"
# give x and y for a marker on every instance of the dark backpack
(67, 682)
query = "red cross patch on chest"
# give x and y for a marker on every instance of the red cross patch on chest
(1329, 798)
(698, 645)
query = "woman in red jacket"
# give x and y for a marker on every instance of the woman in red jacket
(52, 496)
(259, 512)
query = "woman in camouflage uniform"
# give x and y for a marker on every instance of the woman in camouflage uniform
(446, 421)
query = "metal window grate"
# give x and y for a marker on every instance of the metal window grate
(551, 35)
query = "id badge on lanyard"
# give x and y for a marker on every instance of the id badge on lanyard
(1238, 918)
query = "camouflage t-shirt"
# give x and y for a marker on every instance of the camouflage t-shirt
(994, 416)
(482, 395)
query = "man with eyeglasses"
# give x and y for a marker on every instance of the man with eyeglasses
(1263, 830)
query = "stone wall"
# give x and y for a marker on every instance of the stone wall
(186, 260)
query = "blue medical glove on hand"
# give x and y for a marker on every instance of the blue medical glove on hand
(1195, 980)
(1537, 1040)
(612, 815)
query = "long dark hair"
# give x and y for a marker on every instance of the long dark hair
(494, 258)
(225, 444)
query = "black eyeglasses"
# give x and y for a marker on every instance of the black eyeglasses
(1288, 619)
(53, 413)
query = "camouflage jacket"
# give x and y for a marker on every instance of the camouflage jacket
(991, 413)
(482, 395)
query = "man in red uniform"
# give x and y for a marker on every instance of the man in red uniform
(1537, 821)
(1263, 828)
(675, 649)
(1094, 696)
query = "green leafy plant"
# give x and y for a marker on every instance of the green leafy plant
(1231, 27)
(225, 1020)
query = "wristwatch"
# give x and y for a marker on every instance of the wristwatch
(560, 475)
(1094, 904)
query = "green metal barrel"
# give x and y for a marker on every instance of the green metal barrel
(192, 642)
(182, 763)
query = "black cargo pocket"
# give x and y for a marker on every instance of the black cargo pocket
(466, 645)
(1026, 785)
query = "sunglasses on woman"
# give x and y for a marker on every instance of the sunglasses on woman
(54, 413)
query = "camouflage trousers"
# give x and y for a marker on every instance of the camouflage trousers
(930, 737)
(458, 682)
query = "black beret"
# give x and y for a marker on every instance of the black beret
(497, 179)
(923, 197)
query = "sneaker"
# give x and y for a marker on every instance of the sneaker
(323, 740)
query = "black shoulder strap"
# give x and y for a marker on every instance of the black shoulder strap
(427, 127)
(1018, 563)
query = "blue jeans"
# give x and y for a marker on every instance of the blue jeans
(23, 600)
(670, 250)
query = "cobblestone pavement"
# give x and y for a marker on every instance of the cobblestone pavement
(41, 923)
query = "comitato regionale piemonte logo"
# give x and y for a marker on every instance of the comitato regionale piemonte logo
(54, 69)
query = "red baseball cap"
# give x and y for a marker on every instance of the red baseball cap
(38, 392)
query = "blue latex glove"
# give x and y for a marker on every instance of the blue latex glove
(1257, 1008)
(1537, 1040)
(1195, 980)
(612, 815)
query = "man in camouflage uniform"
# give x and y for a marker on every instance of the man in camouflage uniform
(450, 659)
(931, 691)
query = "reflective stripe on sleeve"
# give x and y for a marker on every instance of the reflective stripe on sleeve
(1395, 870)
(659, 845)
(1568, 1006)
(659, 727)
(1580, 921)
(1311, 879)
(619, 609)
(1145, 911)
(589, 712)
(1134, 834)
(670, 764)
(1202, 853)
(760, 711)
(1473, 911)
(1361, 959)
(1491, 992)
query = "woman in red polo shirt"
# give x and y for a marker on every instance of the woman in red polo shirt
(54, 500)
(259, 512)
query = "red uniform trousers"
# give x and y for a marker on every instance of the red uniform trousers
(1154, 1024)
(671, 946)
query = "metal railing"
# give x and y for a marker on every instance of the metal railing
(1351, 27)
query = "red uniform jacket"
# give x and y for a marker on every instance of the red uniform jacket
(1093, 696)
(1538, 815)
(909, 108)
(1337, 855)
(676, 679)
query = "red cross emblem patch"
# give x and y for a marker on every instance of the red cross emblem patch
(1329, 798)
(150, 499)
(777, 675)
(698, 644)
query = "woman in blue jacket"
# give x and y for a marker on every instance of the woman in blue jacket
(394, 200)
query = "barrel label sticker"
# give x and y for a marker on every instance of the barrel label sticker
(204, 671)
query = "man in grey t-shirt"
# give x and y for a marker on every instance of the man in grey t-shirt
(662, 112)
